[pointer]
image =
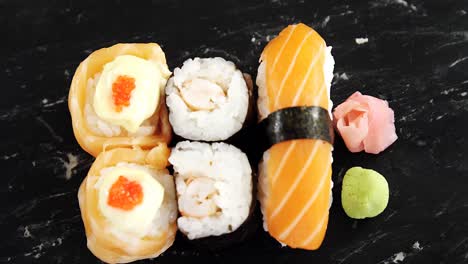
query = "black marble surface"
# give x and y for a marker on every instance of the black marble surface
(416, 57)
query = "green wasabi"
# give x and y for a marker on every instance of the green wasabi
(364, 193)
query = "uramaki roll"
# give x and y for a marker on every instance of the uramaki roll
(128, 204)
(117, 98)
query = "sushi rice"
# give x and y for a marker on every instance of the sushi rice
(208, 99)
(214, 188)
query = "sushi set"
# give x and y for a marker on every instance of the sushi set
(146, 184)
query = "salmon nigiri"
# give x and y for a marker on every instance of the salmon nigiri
(295, 175)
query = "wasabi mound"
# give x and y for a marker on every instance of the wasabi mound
(364, 193)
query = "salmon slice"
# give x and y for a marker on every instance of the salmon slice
(104, 244)
(93, 64)
(295, 175)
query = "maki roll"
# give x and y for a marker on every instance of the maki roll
(128, 204)
(208, 99)
(116, 98)
(214, 191)
(294, 80)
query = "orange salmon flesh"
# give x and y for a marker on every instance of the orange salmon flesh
(295, 177)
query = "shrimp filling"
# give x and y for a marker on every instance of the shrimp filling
(198, 198)
(202, 94)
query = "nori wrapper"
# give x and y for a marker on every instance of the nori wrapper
(301, 122)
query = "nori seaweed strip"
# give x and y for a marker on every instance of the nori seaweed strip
(302, 122)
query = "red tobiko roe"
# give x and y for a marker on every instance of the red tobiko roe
(125, 194)
(365, 123)
(122, 91)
